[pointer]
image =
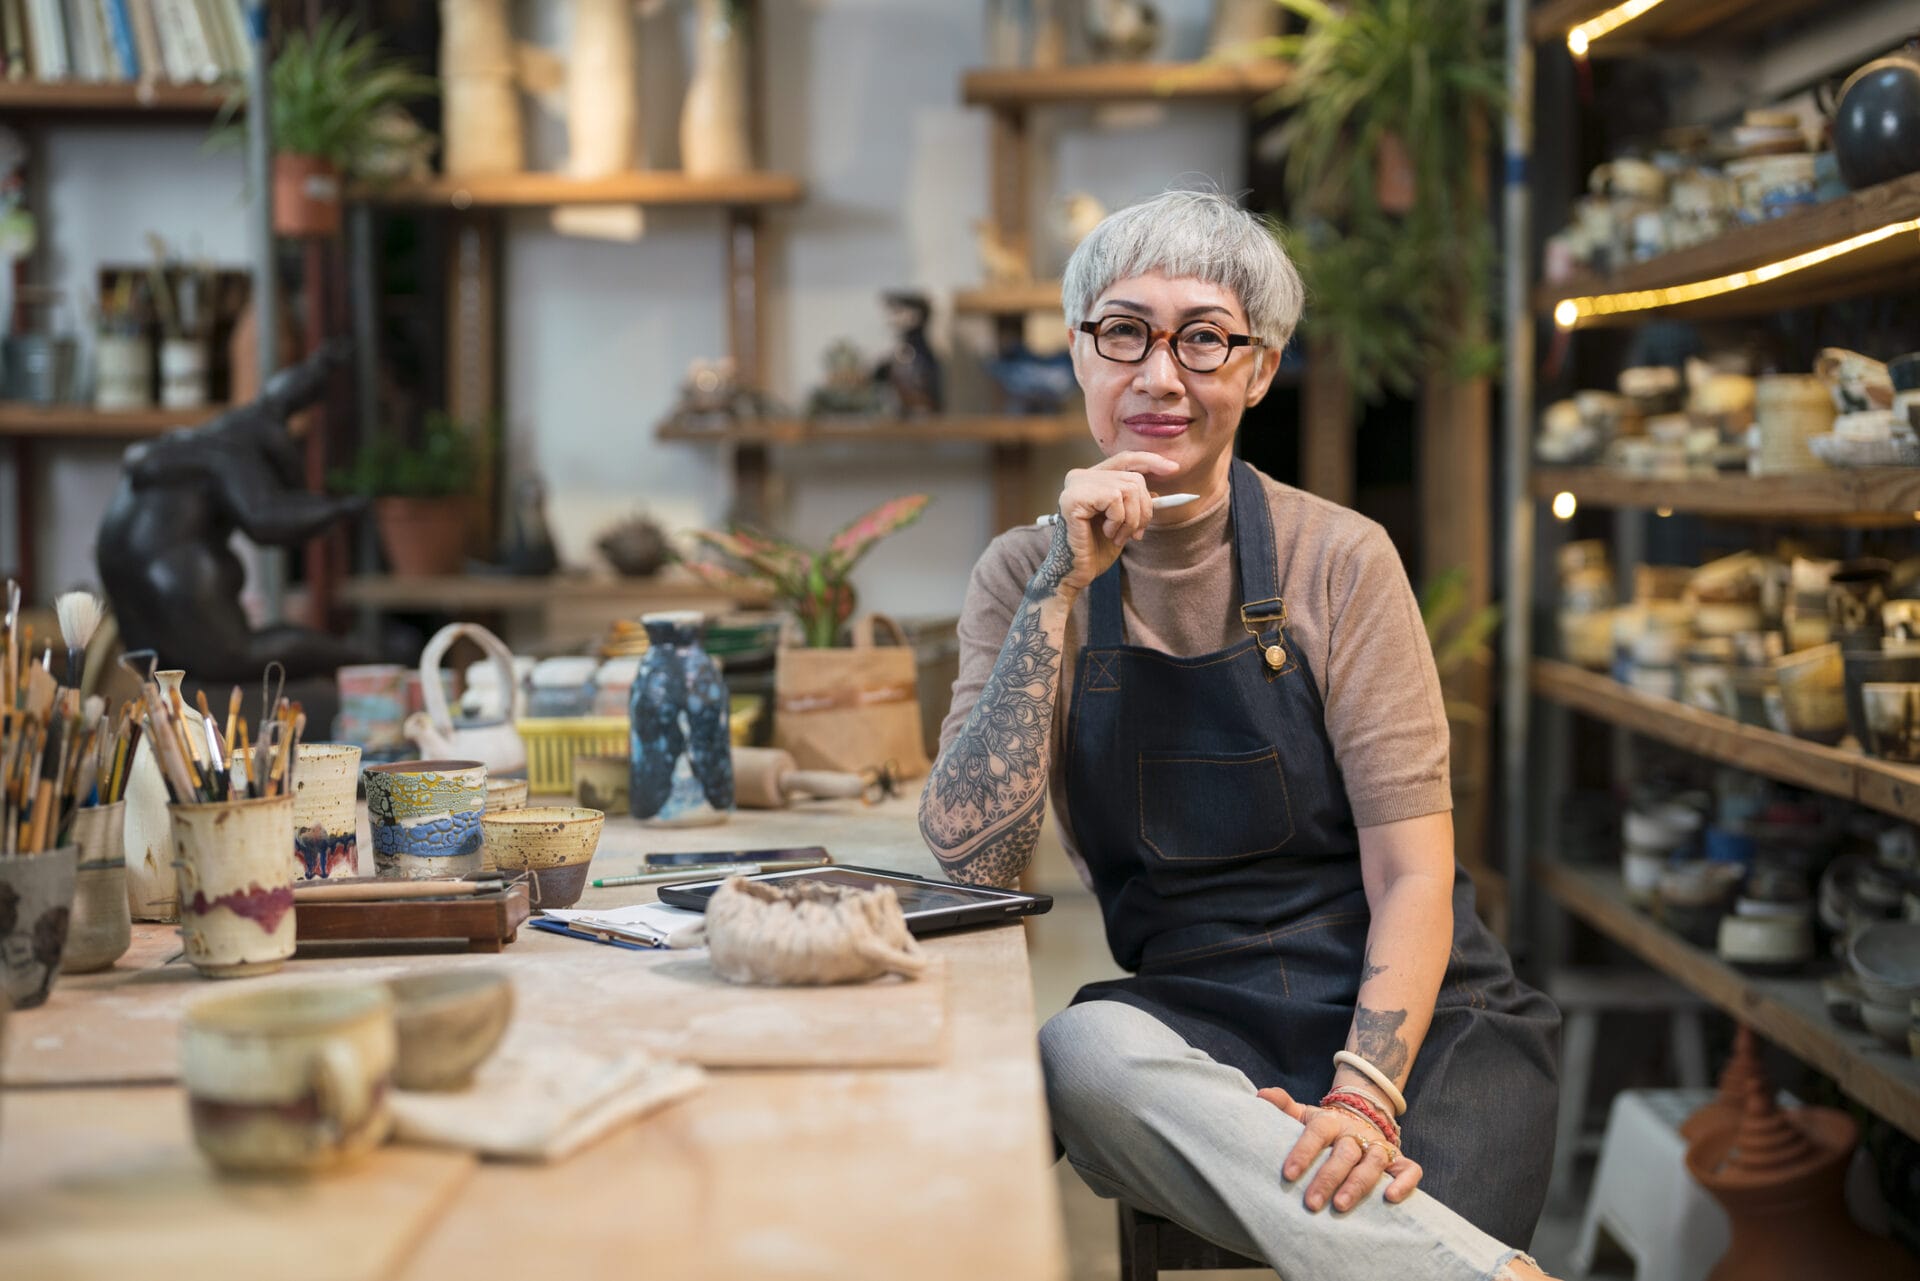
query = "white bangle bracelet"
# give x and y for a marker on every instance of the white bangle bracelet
(1374, 1074)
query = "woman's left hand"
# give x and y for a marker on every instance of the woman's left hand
(1359, 1157)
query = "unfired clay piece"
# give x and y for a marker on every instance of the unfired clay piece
(805, 932)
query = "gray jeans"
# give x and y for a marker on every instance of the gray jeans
(1147, 1119)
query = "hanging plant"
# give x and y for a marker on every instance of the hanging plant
(1389, 102)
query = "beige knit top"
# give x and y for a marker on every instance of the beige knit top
(1350, 613)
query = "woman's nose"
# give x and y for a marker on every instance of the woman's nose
(1159, 373)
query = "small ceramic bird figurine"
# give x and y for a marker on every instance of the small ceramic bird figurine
(1122, 30)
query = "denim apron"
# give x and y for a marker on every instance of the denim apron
(1204, 795)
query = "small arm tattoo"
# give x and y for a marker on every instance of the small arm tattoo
(1376, 1038)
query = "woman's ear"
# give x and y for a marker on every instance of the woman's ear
(1265, 366)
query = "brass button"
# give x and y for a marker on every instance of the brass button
(1276, 657)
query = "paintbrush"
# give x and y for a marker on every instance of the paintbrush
(233, 714)
(79, 615)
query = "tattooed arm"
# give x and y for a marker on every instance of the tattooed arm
(986, 796)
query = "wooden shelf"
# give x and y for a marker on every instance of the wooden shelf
(1787, 1011)
(1669, 22)
(1014, 87)
(1840, 496)
(74, 98)
(1851, 775)
(458, 592)
(1008, 300)
(657, 187)
(1886, 266)
(980, 428)
(83, 422)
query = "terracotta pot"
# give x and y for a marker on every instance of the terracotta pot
(306, 196)
(423, 537)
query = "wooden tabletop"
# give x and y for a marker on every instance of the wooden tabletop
(827, 1173)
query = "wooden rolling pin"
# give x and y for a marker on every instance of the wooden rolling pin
(766, 778)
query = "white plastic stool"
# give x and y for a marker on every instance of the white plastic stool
(1643, 1196)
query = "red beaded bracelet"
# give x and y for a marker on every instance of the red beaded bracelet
(1366, 1109)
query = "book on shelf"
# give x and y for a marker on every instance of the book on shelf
(146, 39)
(13, 28)
(200, 65)
(120, 30)
(47, 40)
(83, 41)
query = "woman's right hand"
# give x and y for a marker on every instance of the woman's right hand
(1104, 507)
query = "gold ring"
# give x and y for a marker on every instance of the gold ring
(1393, 1153)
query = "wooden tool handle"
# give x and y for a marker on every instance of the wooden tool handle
(365, 891)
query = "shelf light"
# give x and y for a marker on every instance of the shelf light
(1663, 511)
(1565, 505)
(1613, 19)
(1569, 312)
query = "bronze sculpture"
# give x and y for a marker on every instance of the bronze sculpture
(163, 549)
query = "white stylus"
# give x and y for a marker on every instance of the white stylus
(1160, 503)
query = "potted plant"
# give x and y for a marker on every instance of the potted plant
(423, 495)
(337, 101)
(813, 584)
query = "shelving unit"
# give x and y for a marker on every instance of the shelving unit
(77, 99)
(1005, 88)
(1865, 243)
(940, 429)
(20, 421)
(658, 187)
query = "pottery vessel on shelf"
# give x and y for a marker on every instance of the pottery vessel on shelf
(714, 133)
(1813, 692)
(101, 927)
(448, 1022)
(236, 884)
(425, 817)
(1891, 712)
(326, 834)
(1887, 1022)
(1790, 410)
(1876, 121)
(1886, 959)
(373, 705)
(1855, 595)
(1769, 944)
(1877, 667)
(289, 1081)
(36, 902)
(553, 842)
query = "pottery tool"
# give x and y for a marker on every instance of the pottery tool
(767, 778)
(79, 615)
(382, 890)
(1161, 502)
(701, 872)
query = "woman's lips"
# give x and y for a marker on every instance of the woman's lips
(1157, 424)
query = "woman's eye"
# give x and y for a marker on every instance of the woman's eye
(1204, 338)
(1124, 329)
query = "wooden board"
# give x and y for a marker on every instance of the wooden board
(648, 187)
(108, 1184)
(484, 922)
(1008, 429)
(1674, 21)
(1841, 496)
(608, 998)
(1123, 82)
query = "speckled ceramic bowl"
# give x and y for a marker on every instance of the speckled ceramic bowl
(448, 1022)
(553, 842)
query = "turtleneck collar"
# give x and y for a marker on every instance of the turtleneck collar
(1183, 542)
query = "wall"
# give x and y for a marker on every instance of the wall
(598, 334)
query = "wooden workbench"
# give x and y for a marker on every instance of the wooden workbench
(926, 1173)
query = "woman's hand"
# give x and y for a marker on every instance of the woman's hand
(1102, 508)
(1361, 1154)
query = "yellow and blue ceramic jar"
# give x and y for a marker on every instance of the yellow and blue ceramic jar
(425, 817)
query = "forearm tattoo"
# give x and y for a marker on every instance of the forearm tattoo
(1376, 1038)
(985, 800)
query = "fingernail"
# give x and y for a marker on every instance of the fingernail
(1344, 1202)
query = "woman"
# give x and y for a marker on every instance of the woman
(1234, 708)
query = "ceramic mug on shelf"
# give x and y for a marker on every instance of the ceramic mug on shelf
(289, 1081)
(326, 839)
(236, 884)
(426, 817)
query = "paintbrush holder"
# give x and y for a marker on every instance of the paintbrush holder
(122, 372)
(40, 889)
(152, 891)
(183, 373)
(101, 926)
(236, 884)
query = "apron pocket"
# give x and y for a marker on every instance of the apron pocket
(1211, 807)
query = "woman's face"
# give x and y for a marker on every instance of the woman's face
(1158, 405)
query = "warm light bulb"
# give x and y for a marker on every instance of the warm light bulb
(1577, 42)
(1663, 511)
(1612, 20)
(1566, 313)
(1565, 505)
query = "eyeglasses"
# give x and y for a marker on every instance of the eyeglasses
(1199, 346)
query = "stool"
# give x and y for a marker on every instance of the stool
(1643, 1196)
(1150, 1245)
(1583, 996)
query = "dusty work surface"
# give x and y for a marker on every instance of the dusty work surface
(830, 1172)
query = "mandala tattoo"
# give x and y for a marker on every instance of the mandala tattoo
(985, 801)
(1376, 1036)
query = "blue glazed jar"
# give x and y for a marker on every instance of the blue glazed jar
(682, 751)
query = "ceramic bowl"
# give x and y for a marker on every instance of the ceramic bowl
(555, 843)
(1842, 996)
(1813, 692)
(1891, 711)
(1888, 1022)
(1660, 827)
(448, 1022)
(1872, 666)
(505, 794)
(1766, 944)
(1886, 957)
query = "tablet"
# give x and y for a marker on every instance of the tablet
(930, 906)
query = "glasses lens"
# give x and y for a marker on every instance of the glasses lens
(1202, 347)
(1121, 338)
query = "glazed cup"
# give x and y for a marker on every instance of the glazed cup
(1892, 713)
(36, 901)
(448, 1022)
(236, 884)
(326, 836)
(503, 794)
(101, 927)
(1813, 692)
(602, 782)
(426, 817)
(289, 1081)
(555, 843)
(373, 705)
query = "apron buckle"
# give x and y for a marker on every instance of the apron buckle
(1258, 617)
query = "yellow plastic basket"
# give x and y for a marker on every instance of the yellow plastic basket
(553, 741)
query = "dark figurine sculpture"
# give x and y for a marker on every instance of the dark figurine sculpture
(911, 375)
(163, 552)
(530, 545)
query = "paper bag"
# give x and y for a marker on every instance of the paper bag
(851, 709)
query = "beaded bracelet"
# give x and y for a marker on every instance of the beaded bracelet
(1374, 1074)
(1356, 1104)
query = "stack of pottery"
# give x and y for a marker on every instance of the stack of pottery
(1652, 835)
(1885, 958)
(1753, 680)
(1649, 638)
(1693, 895)
(1770, 929)
(1903, 373)
(1586, 604)
(1790, 410)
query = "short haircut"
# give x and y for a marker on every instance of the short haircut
(1198, 234)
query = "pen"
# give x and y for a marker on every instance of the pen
(1160, 503)
(699, 872)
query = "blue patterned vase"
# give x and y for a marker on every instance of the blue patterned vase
(682, 752)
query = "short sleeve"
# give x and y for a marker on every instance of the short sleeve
(994, 592)
(1385, 715)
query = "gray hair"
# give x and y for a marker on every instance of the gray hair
(1199, 234)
